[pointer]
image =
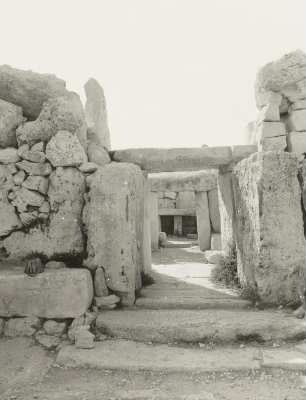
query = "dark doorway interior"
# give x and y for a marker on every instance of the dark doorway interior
(167, 224)
(189, 225)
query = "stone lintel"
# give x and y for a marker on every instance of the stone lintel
(177, 211)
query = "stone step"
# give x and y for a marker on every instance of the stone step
(201, 326)
(132, 356)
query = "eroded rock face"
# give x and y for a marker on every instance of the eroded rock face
(110, 218)
(61, 236)
(271, 247)
(28, 89)
(286, 77)
(95, 110)
(10, 118)
(65, 150)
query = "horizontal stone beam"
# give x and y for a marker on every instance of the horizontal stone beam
(182, 159)
(177, 211)
(199, 181)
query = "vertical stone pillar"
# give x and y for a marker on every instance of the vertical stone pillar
(226, 208)
(140, 184)
(110, 217)
(271, 248)
(178, 225)
(203, 221)
(154, 220)
(146, 245)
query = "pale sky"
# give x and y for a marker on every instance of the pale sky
(176, 73)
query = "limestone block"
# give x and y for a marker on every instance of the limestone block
(110, 219)
(284, 76)
(269, 130)
(154, 219)
(185, 200)
(65, 150)
(55, 264)
(146, 239)
(63, 236)
(240, 152)
(278, 143)
(34, 156)
(47, 341)
(100, 286)
(216, 243)
(214, 213)
(88, 168)
(9, 220)
(37, 183)
(298, 105)
(64, 293)
(175, 159)
(10, 118)
(32, 132)
(8, 155)
(297, 121)
(200, 181)
(203, 221)
(21, 326)
(84, 339)
(269, 231)
(31, 168)
(54, 328)
(269, 113)
(297, 142)
(28, 89)
(170, 195)
(95, 111)
(29, 197)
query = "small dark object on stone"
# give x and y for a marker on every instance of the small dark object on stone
(34, 267)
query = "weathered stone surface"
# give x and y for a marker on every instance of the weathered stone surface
(9, 221)
(95, 111)
(285, 76)
(28, 218)
(65, 150)
(297, 121)
(110, 218)
(183, 181)
(166, 203)
(84, 339)
(106, 300)
(297, 142)
(185, 200)
(29, 197)
(100, 283)
(269, 130)
(21, 326)
(66, 114)
(54, 328)
(37, 183)
(35, 131)
(19, 177)
(154, 219)
(62, 237)
(48, 295)
(31, 168)
(8, 155)
(175, 159)
(34, 156)
(88, 168)
(40, 146)
(28, 89)
(269, 113)
(277, 143)
(10, 118)
(214, 213)
(216, 243)
(96, 152)
(47, 341)
(55, 265)
(270, 236)
(203, 222)
(170, 195)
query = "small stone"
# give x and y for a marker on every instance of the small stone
(47, 341)
(37, 183)
(45, 207)
(54, 328)
(9, 221)
(19, 178)
(106, 300)
(22, 149)
(88, 168)
(84, 339)
(31, 168)
(12, 168)
(8, 155)
(33, 156)
(21, 326)
(34, 131)
(40, 147)
(65, 150)
(29, 197)
(55, 264)
(100, 283)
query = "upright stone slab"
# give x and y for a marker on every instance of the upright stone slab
(271, 248)
(154, 220)
(226, 208)
(146, 240)
(178, 225)
(95, 111)
(214, 213)
(62, 293)
(110, 218)
(139, 227)
(203, 221)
